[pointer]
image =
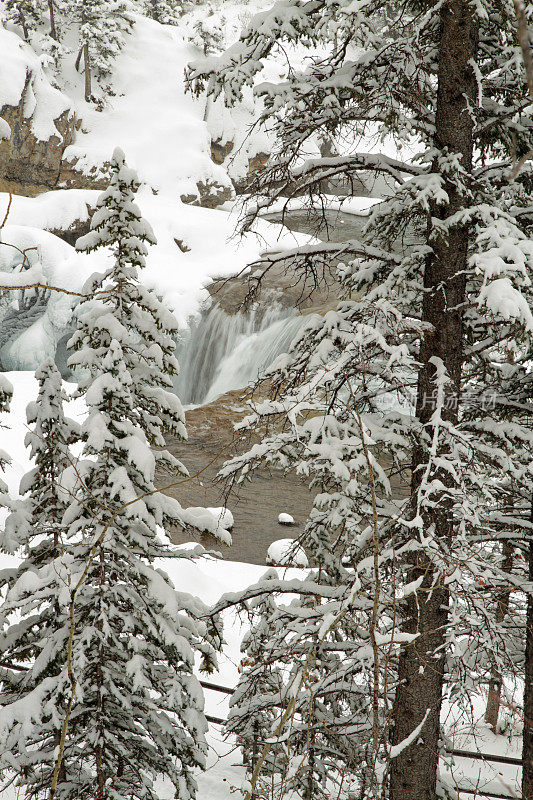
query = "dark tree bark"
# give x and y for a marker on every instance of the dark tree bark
(527, 737)
(413, 774)
(24, 27)
(310, 789)
(87, 71)
(53, 28)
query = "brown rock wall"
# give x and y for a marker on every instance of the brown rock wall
(29, 165)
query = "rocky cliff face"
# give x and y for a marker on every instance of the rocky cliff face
(41, 121)
(29, 165)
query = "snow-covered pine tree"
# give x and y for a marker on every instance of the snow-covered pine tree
(34, 614)
(26, 13)
(102, 27)
(208, 33)
(48, 442)
(167, 12)
(149, 355)
(445, 83)
(137, 708)
(38, 21)
(260, 686)
(336, 405)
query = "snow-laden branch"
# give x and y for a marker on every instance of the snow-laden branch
(27, 279)
(324, 168)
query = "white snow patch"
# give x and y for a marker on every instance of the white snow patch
(501, 297)
(160, 129)
(43, 103)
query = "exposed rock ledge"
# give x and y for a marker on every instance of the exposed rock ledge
(29, 165)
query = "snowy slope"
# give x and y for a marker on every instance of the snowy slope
(159, 128)
(43, 102)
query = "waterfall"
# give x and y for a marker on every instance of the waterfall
(224, 351)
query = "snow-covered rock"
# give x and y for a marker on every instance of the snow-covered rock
(286, 553)
(285, 519)
(204, 520)
(223, 516)
(38, 120)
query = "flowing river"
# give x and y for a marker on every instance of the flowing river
(221, 355)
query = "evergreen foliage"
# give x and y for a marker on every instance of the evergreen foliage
(149, 354)
(34, 610)
(287, 647)
(414, 378)
(167, 12)
(102, 29)
(39, 21)
(260, 687)
(26, 13)
(208, 34)
(141, 714)
(6, 394)
(110, 671)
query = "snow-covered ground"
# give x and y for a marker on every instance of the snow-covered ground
(160, 129)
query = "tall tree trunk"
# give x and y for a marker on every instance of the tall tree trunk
(502, 609)
(256, 749)
(100, 768)
(413, 773)
(527, 736)
(87, 70)
(53, 29)
(24, 27)
(310, 789)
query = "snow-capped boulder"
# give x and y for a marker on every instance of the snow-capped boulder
(285, 519)
(286, 553)
(205, 521)
(223, 516)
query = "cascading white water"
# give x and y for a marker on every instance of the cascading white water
(224, 351)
